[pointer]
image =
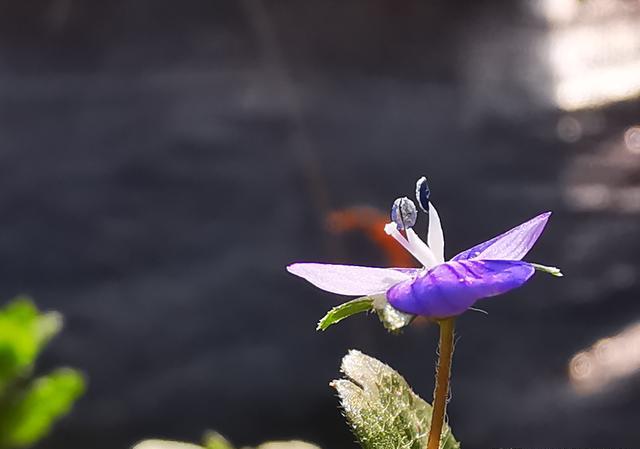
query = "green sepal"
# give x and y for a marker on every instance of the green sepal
(391, 318)
(345, 310)
(553, 271)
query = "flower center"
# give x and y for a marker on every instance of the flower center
(403, 217)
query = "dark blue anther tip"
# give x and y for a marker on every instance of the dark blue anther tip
(423, 193)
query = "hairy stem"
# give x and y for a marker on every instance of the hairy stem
(441, 391)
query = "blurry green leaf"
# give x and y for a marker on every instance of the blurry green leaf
(164, 444)
(28, 412)
(551, 270)
(294, 444)
(23, 333)
(29, 407)
(345, 310)
(381, 408)
(213, 440)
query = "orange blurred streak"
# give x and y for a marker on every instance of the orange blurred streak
(370, 221)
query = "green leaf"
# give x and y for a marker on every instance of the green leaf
(29, 411)
(164, 444)
(345, 310)
(551, 270)
(213, 440)
(381, 408)
(293, 444)
(24, 332)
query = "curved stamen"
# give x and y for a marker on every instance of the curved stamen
(435, 236)
(414, 245)
(422, 249)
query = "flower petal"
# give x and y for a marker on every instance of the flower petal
(512, 245)
(349, 280)
(451, 288)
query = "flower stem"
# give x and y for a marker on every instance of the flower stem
(441, 391)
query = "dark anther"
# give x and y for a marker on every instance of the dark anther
(404, 213)
(423, 193)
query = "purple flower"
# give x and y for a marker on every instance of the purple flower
(440, 289)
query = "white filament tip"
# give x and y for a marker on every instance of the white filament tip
(390, 228)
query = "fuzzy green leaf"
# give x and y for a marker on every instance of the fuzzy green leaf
(381, 408)
(345, 310)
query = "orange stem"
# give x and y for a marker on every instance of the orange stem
(443, 374)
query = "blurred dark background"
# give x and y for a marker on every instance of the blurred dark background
(161, 162)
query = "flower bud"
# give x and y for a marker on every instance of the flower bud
(404, 213)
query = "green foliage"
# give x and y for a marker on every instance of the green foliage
(294, 444)
(29, 406)
(23, 333)
(164, 444)
(345, 310)
(29, 411)
(381, 408)
(214, 440)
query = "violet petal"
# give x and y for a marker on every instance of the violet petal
(350, 280)
(451, 288)
(512, 245)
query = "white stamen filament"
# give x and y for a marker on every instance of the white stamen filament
(435, 236)
(421, 248)
(414, 245)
